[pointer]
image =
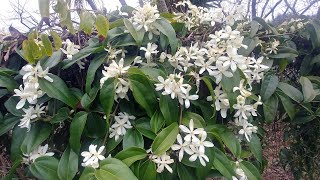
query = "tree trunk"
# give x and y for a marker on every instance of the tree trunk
(253, 8)
(162, 6)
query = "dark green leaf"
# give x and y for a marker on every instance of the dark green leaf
(83, 53)
(107, 94)
(144, 127)
(51, 61)
(270, 108)
(45, 168)
(92, 70)
(7, 81)
(88, 174)
(38, 133)
(7, 123)
(68, 164)
(18, 135)
(230, 140)
(157, 121)
(166, 28)
(169, 108)
(96, 126)
(10, 105)
(133, 138)
(223, 164)
(147, 170)
(291, 91)
(255, 147)
(62, 114)
(77, 125)
(250, 170)
(307, 88)
(268, 86)
(198, 121)
(165, 139)
(58, 90)
(287, 104)
(131, 155)
(137, 35)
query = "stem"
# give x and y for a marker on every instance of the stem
(108, 118)
(181, 109)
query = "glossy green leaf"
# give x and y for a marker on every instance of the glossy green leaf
(87, 21)
(68, 164)
(58, 90)
(270, 108)
(102, 25)
(18, 135)
(132, 138)
(268, 86)
(230, 140)
(8, 82)
(51, 61)
(77, 125)
(169, 108)
(88, 174)
(255, 147)
(107, 94)
(165, 27)
(10, 105)
(83, 53)
(308, 92)
(7, 123)
(291, 91)
(223, 164)
(185, 173)
(198, 121)
(157, 121)
(38, 133)
(114, 169)
(250, 170)
(144, 127)
(287, 104)
(137, 35)
(45, 168)
(95, 63)
(251, 42)
(147, 170)
(165, 139)
(96, 126)
(61, 115)
(131, 155)
(57, 41)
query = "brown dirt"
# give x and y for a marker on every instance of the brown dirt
(272, 144)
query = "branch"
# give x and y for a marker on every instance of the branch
(92, 5)
(123, 2)
(308, 7)
(264, 8)
(272, 9)
(253, 8)
(162, 6)
(292, 9)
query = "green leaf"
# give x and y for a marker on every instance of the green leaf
(77, 125)
(303, 119)
(223, 164)
(18, 136)
(251, 43)
(64, 14)
(268, 86)
(313, 29)
(45, 168)
(68, 164)
(270, 108)
(27, 52)
(7, 123)
(96, 126)
(86, 22)
(10, 105)
(87, 99)
(143, 92)
(62, 114)
(147, 170)
(44, 8)
(198, 121)
(165, 139)
(114, 169)
(133, 138)
(306, 66)
(185, 173)
(144, 127)
(255, 147)
(291, 91)
(38, 133)
(112, 144)
(58, 90)
(107, 94)
(287, 104)
(308, 92)
(250, 170)
(83, 53)
(47, 44)
(102, 25)
(169, 108)
(137, 35)
(283, 55)
(52, 61)
(229, 83)
(265, 25)
(7, 81)
(157, 121)
(131, 155)
(95, 63)
(88, 174)
(56, 40)
(254, 28)
(230, 140)
(165, 27)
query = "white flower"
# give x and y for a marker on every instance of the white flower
(92, 157)
(202, 143)
(221, 101)
(191, 133)
(222, 69)
(198, 155)
(30, 113)
(113, 53)
(114, 70)
(205, 66)
(243, 109)
(247, 130)
(162, 162)
(121, 124)
(29, 93)
(36, 153)
(151, 49)
(183, 146)
(188, 97)
(242, 89)
(71, 49)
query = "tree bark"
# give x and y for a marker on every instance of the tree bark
(123, 2)
(253, 8)
(162, 6)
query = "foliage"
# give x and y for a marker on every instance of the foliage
(143, 95)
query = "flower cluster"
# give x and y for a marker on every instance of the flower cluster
(117, 71)
(32, 112)
(193, 143)
(71, 50)
(149, 50)
(121, 124)
(36, 153)
(92, 157)
(240, 175)
(144, 17)
(162, 162)
(175, 87)
(30, 90)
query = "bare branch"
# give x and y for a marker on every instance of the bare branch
(264, 7)
(254, 8)
(309, 6)
(123, 2)
(272, 9)
(292, 9)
